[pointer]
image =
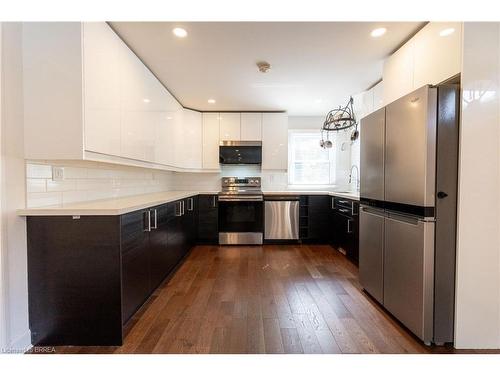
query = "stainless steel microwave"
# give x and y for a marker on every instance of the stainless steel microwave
(240, 152)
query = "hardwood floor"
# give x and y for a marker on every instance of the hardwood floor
(264, 299)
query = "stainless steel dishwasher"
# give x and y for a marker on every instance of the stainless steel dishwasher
(281, 217)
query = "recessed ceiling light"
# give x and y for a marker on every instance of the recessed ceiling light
(447, 31)
(146, 100)
(319, 101)
(378, 32)
(211, 101)
(180, 32)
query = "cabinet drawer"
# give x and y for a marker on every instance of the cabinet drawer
(345, 206)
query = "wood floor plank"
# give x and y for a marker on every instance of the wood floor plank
(272, 336)
(255, 336)
(307, 335)
(291, 341)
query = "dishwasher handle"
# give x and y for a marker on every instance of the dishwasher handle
(281, 198)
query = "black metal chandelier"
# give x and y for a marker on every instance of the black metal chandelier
(341, 118)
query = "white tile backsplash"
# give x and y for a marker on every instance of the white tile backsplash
(36, 185)
(38, 171)
(90, 181)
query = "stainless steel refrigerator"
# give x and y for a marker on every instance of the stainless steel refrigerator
(409, 162)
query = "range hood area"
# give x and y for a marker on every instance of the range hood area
(240, 153)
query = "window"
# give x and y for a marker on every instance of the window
(309, 164)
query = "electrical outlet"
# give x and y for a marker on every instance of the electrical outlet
(57, 173)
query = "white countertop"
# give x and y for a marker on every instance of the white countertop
(116, 206)
(120, 206)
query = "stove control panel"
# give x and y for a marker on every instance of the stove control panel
(241, 182)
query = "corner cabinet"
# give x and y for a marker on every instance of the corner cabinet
(88, 275)
(97, 101)
(210, 140)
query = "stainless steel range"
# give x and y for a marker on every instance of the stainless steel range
(241, 211)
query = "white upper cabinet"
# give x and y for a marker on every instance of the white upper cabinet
(437, 57)
(230, 126)
(251, 126)
(398, 73)
(188, 136)
(210, 141)
(165, 140)
(102, 82)
(275, 141)
(432, 56)
(363, 104)
(378, 96)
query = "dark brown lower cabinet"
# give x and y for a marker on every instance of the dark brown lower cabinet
(88, 275)
(344, 227)
(208, 219)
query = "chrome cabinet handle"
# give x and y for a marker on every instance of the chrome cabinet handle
(343, 210)
(214, 201)
(349, 226)
(155, 219)
(179, 211)
(333, 203)
(342, 201)
(183, 205)
(148, 221)
(190, 204)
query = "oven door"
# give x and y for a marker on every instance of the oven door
(241, 221)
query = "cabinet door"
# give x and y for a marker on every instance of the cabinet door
(319, 212)
(371, 253)
(275, 141)
(135, 262)
(191, 140)
(138, 121)
(398, 73)
(378, 96)
(230, 127)
(162, 258)
(101, 90)
(339, 230)
(176, 236)
(208, 226)
(437, 58)
(165, 140)
(251, 126)
(192, 220)
(211, 141)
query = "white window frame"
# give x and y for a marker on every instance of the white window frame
(291, 160)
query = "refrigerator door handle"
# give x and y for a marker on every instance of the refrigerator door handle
(403, 218)
(373, 211)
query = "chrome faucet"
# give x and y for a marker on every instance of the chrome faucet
(357, 176)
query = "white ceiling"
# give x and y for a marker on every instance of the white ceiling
(314, 65)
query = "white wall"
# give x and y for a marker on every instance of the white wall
(13, 190)
(477, 322)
